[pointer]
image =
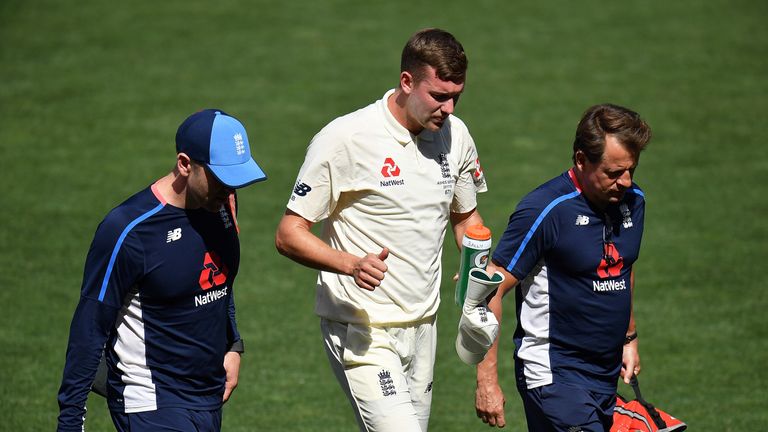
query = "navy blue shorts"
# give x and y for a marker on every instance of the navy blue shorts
(167, 420)
(559, 407)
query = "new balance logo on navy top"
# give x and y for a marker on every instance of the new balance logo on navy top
(173, 235)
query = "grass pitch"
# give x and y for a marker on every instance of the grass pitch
(91, 95)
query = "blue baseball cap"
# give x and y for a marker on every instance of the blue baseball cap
(218, 140)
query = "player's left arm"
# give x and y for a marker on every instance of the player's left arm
(236, 348)
(470, 182)
(461, 221)
(630, 364)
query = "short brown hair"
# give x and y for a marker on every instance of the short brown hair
(600, 120)
(437, 48)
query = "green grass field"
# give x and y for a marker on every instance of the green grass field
(91, 94)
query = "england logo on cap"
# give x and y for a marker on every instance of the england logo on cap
(207, 137)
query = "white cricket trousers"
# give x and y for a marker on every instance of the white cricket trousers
(385, 371)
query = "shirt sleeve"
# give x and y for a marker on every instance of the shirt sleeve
(88, 334)
(529, 234)
(471, 179)
(233, 335)
(113, 265)
(322, 178)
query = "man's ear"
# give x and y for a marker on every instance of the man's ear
(580, 159)
(183, 164)
(407, 82)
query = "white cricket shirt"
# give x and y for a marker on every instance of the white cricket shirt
(376, 185)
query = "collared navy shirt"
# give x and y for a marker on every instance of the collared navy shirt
(573, 262)
(157, 293)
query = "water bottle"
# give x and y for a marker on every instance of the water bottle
(475, 247)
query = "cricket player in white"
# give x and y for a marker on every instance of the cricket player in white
(387, 179)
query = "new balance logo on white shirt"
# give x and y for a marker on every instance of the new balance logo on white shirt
(173, 235)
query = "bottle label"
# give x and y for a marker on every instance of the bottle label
(476, 244)
(480, 259)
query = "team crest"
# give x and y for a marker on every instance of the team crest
(386, 383)
(445, 168)
(478, 176)
(626, 219)
(239, 143)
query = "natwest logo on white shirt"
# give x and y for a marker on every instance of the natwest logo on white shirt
(390, 168)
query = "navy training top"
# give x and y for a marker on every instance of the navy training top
(157, 293)
(573, 262)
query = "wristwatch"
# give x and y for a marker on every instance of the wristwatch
(630, 337)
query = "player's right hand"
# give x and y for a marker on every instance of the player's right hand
(489, 404)
(369, 270)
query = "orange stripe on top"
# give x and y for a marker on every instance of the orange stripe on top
(157, 193)
(233, 212)
(574, 179)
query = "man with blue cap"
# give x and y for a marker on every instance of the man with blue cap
(157, 296)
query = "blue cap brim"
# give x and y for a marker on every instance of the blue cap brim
(240, 175)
